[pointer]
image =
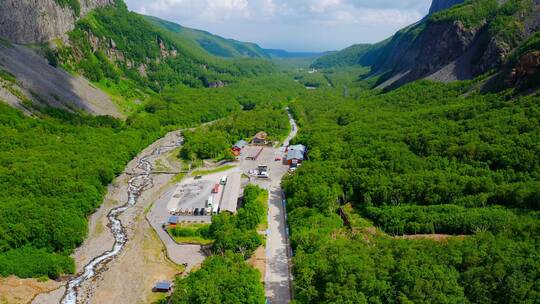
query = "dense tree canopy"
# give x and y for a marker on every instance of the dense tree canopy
(423, 159)
(55, 167)
(54, 173)
(222, 279)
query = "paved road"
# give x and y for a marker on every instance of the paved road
(277, 281)
(192, 255)
(278, 276)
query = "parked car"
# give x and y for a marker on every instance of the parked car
(196, 212)
(198, 177)
(278, 158)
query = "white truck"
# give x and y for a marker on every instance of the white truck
(215, 209)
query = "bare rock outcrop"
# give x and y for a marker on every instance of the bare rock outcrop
(36, 21)
(43, 84)
(527, 66)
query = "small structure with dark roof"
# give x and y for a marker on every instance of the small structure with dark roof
(163, 286)
(260, 138)
(238, 146)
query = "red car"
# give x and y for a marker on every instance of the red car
(278, 159)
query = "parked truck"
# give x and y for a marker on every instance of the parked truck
(210, 201)
(215, 209)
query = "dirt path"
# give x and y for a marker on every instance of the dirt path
(129, 277)
(16, 290)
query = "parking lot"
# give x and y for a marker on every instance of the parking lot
(189, 200)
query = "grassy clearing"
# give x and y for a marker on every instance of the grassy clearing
(124, 94)
(191, 234)
(212, 171)
(263, 200)
(178, 177)
(357, 221)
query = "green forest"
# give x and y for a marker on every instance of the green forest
(428, 193)
(423, 159)
(55, 167)
(215, 141)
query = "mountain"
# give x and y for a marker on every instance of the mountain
(122, 52)
(26, 21)
(439, 5)
(456, 43)
(276, 53)
(358, 54)
(213, 44)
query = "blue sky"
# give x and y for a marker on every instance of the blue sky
(295, 25)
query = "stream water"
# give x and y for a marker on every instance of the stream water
(136, 185)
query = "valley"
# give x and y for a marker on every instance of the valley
(144, 161)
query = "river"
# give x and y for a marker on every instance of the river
(136, 185)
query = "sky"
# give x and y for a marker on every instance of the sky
(293, 25)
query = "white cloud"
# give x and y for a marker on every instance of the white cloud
(320, 6)
(291, 24)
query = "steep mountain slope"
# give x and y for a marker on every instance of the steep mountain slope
(115, 45)
(353, 55)
(31, 21)
(213, 44)
(465, 41)
(28, 80)
(130, 56)
(462, 42)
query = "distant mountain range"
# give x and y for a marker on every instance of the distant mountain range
(274, 53)
(213, 44)
(227, 48)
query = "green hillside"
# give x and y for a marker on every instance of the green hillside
(213, 44)
(353, 55)
(128, 55)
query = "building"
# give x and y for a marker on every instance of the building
(163, 286)
(295, 157)
(238, 147)
(231, 193)
(260, 138)
(301, 148)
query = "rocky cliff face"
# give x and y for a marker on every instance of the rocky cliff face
(527, 67)
(35, 21)
(449, 50)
